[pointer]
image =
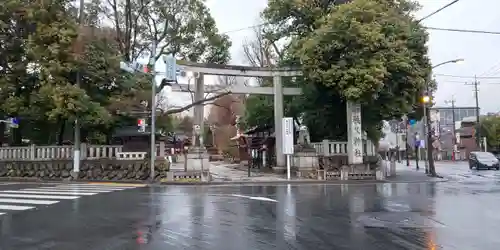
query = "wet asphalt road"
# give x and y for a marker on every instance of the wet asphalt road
(463, 213)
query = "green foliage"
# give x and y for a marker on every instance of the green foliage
(490, 128)
(368, 51)
(44, 50)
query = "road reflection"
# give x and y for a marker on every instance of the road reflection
(382, 216)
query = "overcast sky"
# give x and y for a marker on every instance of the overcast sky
(482, 58)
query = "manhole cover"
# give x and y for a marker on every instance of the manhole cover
(397, 220)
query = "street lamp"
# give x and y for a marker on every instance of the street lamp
(425, 100)
(458, 61)
(429, 162)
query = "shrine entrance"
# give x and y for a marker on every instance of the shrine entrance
(354, 134)
(200, 70)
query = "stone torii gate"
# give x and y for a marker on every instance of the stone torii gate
(231, 70)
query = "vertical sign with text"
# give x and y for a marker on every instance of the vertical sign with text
(287, 125)
(354, 134)
(170, 68)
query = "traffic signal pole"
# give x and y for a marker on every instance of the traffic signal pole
(152, 63)
(77, 139)
(171, 75)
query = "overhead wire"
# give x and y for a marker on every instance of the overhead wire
(492, 71)
(438, 10)
(464, 30)
(429, 28)
(468, 77)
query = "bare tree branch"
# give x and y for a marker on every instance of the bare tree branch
(178, 110)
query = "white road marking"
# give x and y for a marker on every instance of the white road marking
(48, 195)
(71, 189)
(259, 198)
(35, 196)
(46, 192)
(96, 186)
(14, 207)
(21, 201)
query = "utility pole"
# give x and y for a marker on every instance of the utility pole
(478, 129)
(453, 139)
(77, 146)
(407, 146)
(478, 126)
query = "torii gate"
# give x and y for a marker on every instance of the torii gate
(231, 70)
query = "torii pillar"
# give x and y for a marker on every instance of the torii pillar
(278, 118)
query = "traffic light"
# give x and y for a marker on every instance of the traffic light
(141, 124)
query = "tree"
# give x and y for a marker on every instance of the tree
(490, 128)
(368, 51)
(261, 51)
(182, 28)
(222, 118)
(39, 68)
(186, 125)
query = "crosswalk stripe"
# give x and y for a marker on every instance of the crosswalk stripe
(97, 186)
(21, 201)
(100, 188)
(2, 213)
(69, 190)
(117, 184)
(14, 207)
(45, 192)
(35, 196)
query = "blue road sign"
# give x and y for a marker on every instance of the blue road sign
(412, 122)
(14, 122)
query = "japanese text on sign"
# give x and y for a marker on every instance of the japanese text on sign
(287, 126)
(355, 140)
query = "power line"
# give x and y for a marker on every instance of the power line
(491, 71)
(438, 10)
(465, 31)
(429, 28)
(245, 28)
(468, 77)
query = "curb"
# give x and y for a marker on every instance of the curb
(222, 183)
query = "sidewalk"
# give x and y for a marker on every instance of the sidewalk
(227, 172)
(221, 171)
(411, 174)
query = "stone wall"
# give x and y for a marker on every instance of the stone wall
(103, 169)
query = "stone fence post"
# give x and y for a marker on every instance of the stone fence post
(83, 151)
(32, 152)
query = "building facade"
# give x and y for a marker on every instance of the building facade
(445, 125)
(446, 115)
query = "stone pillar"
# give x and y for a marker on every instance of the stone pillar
(162, 149)
(197, 157)
(354, 134)
(198, 110)
(278, 117)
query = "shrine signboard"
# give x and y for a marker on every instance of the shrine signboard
(354, 134)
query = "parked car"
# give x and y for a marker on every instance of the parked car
(483, 160)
